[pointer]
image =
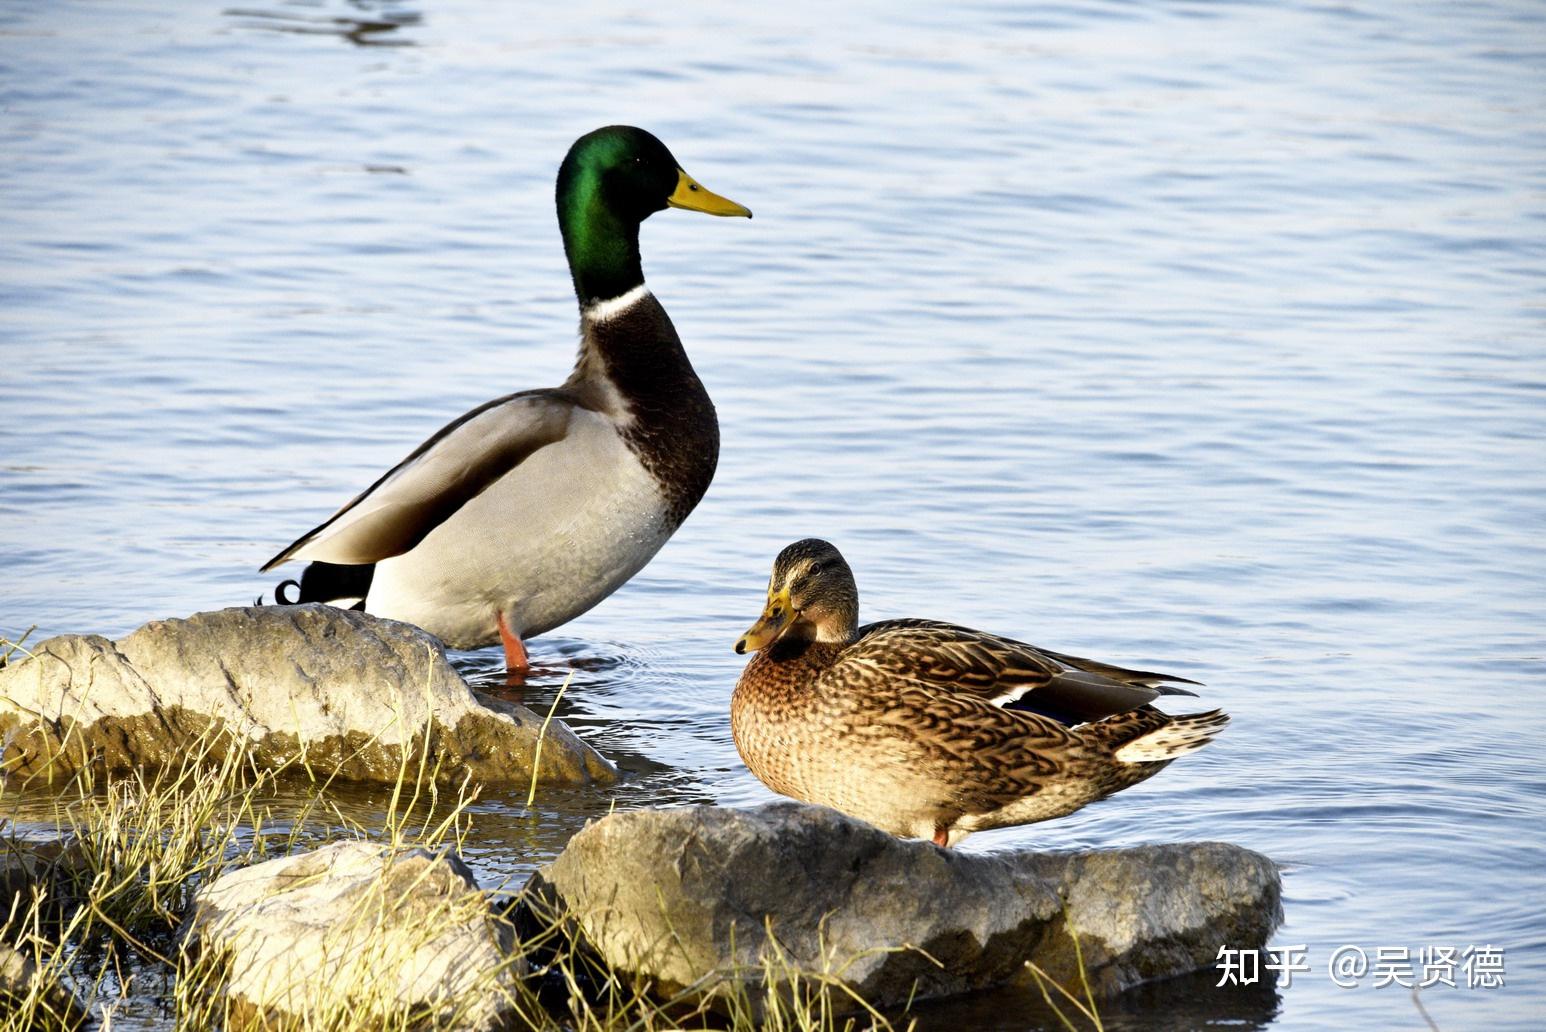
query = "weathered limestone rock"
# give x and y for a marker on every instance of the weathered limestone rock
(1155, 911)
(353, 929)
(346, 690)
(675, 896)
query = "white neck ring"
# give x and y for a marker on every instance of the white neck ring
(600, 311)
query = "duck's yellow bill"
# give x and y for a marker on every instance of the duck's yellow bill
(775, 619)
(690, 195)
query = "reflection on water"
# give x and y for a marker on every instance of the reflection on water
(1183, 1004)
(1201, 337)
(372, 24)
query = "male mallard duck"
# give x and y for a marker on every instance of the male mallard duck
(530, 509)
(935, 731)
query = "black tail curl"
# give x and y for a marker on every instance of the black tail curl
(326, 582)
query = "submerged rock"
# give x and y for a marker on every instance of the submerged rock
(706, 895)
(38, 885)
(35, 900)
(352, 929)
(31, 998)
(346, 691)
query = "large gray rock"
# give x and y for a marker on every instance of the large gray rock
(1152, 912)
(348, 691)
(690, 896)
(353, 928)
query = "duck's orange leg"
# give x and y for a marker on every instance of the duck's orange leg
(942, 836)
(515, 653)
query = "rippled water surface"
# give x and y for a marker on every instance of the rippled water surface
(1206, 336)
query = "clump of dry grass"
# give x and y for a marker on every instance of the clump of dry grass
(145, 842)
(36, 961)
(140, 846)
(134, 850)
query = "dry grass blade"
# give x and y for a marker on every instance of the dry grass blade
(1085, 1008)
(9, 648)
(542, 734)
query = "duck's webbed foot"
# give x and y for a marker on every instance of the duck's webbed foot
(516, 661)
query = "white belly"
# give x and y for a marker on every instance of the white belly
(542, 544)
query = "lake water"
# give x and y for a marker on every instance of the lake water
(1201, 336)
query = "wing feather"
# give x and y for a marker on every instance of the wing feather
(1003, 672)
(444, 473)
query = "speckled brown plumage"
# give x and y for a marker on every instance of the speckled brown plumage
(930, 729)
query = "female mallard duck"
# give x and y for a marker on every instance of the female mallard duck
(530, 509)
(935, 731)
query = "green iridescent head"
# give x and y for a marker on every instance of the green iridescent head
(612, 180)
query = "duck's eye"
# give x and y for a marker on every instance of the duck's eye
(814, 570)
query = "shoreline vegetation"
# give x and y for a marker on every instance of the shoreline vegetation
(102, 918)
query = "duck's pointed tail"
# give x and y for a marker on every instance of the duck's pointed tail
(1177, 736)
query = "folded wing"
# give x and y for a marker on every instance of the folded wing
(1004, 672)
(445, 472)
